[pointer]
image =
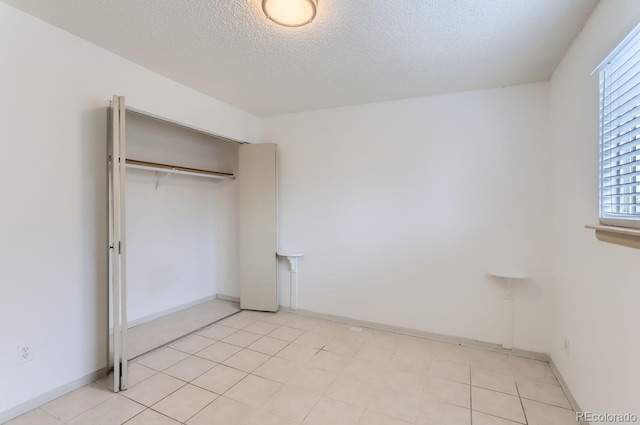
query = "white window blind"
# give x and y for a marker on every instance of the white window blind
(620, 135)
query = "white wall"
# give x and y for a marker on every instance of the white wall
(53, 117)
(401, 208)
(182, 237)
(596, 289)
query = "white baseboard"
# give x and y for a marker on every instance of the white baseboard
(565, 388)
(422, 334)
(175, 309)
(27, 406)
(228, 298)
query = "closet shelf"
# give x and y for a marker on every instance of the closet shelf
(176, 169)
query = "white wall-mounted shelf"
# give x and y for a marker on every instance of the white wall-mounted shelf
(292, 257)
(509, 274)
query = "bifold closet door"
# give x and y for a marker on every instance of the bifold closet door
(258, 227)
(117, 246)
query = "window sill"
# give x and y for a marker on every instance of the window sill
(617, 235)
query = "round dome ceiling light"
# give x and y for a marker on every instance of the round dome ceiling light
(290, 13)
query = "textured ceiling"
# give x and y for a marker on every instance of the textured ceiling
(356, 51)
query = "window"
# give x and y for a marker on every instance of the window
(620, 135)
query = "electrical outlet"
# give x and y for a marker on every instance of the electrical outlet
(25, 354)
(566, 346)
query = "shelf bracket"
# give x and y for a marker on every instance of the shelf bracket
(164, 177)
(292, 257)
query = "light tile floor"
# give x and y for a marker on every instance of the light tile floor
(283, 369)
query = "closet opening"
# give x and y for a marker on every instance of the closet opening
(192, 232)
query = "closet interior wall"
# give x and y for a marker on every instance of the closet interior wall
(181, 236)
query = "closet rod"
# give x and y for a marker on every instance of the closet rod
(176, 169)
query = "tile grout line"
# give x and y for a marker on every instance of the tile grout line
(282, 384)
(495, 391)
(470, 394)
(200, 410)
(521, 397)
(526, 421)
(303, 364)
(174, 391)
(82, 412)
(146, 408)
(100, 404)
(547, 404)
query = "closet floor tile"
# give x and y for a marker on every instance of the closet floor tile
(219, 379)
(253, 390)
(150, 417)
(189, 368)
(268, 345)
(115, 411)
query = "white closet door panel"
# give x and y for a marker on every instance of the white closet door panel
(258, 227)
(117, 245)
(114, 232)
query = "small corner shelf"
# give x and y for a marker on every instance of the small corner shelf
(292, 256)
(508, 274)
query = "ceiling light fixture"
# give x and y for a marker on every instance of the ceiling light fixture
(290, 13)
